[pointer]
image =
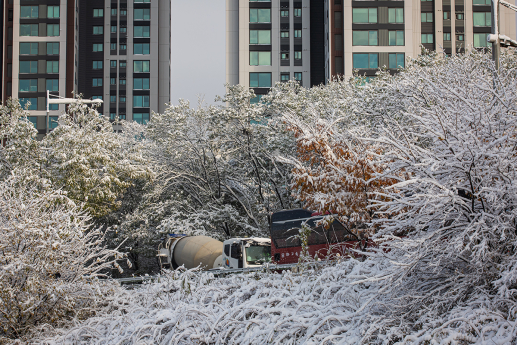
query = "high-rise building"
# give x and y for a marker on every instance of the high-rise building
(116, 50)
(313, 41)
(124, 56)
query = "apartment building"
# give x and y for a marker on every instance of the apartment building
(115, 50)
(312, 41)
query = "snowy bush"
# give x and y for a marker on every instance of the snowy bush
(48, 256)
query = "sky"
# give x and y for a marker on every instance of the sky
(198, 50)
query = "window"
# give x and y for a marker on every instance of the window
(427, 38)
(98, 30)
(122, 64)
(28, 85)
(52, 84)
(364, 15)
(396, 38)
(113, 46)
(28, 48)
(426, 17)
(123, 13)
(123, 46)
(482, 2)
(52, 122)
(141, 118)
(33, 120)
(122, 99)
(53, 48)
(98, 47)
(97, 64)
(446, 15)
(480, 40)
(284, 13)
(260, 15)
(482, 19)
(141, 66)
(141, 83)
(98, 12)
(260, 58)
(52, 67)
(446, 36)
(460, 16)
(142, 14)
(396, 60)
(52, 29)
(113, 99)
(122, 81)
(141, 31)
(97, 97)
(52, 11)
(297, 12)
(284, 56)
(260, 79)
(29, 11)
(298, 55)
(52, 106)
(364, 38)
(140, 101)
(113, 64)
(284, 77)
(256, 99)
(260, 36)
(113, 29)
(123, 29)
(113, 11)
(113, 116)
(365, 61)
(141, 48)
(297, 33)
(298, 76)
(460, 37)
(28, 29)
(113, 81)
(254, 0)
(396, 15)
(33, 103)
(96, 82)
(29, 67)
(284, 34)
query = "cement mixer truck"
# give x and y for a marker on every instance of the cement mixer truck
(208, 253)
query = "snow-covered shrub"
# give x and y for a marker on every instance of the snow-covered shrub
(49, 256)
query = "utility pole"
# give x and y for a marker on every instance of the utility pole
(496, 48)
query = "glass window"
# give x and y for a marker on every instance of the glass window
(123, 46)
(113, 11)
(426, 17)
(98, 12)
(364, 38)
(52, 29)
(482, 19)
(260, 15)
(260, 79)
(396, 60)
(52, 67)
(297, 33)
(98, 47)
(284, 34)
(446, 36)
(52, 84)
(98, 30)
(297, 12)
(260, 36)
(460, 16)
(33, 120)
(113, 64)
(460, 37)
(28, 85)
(123, 29)
(298, 76)
(53, 122)
(480, 40)
(141, 48)
(28, 48)
(97, 97)
(284, 13)
(114, 29)
(113, 116)
(284, 56)
(141, 66)
(29, 67)
(28, 29)
(482, 2)
(141, 118)
(97, 64)
(298, 55)
(256, 99)
(52, 11)
(141, 83)
(140, 101)
(427, 38)
(113, 81)
(446, 15)
(123, 13)
(52, 48)
(142, 14)
(113, 46)
(29, 11)
(122, 81)
(122, 64)
(284, 77)
(260, 58)
(365, 61)
(141, 31)
(122, 99)
(396, 38)
(96, 82)
(364, 15)
(113, 98)
(396, 15)
(260, 0)
(33, 103)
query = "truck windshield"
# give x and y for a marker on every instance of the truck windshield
(256, 255)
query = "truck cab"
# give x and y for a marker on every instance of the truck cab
(246, 252)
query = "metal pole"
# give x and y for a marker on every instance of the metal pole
(496, 47)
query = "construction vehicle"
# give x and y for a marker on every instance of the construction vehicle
(208, 253)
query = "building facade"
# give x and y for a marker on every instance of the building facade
(116, 50)
(313, 41)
